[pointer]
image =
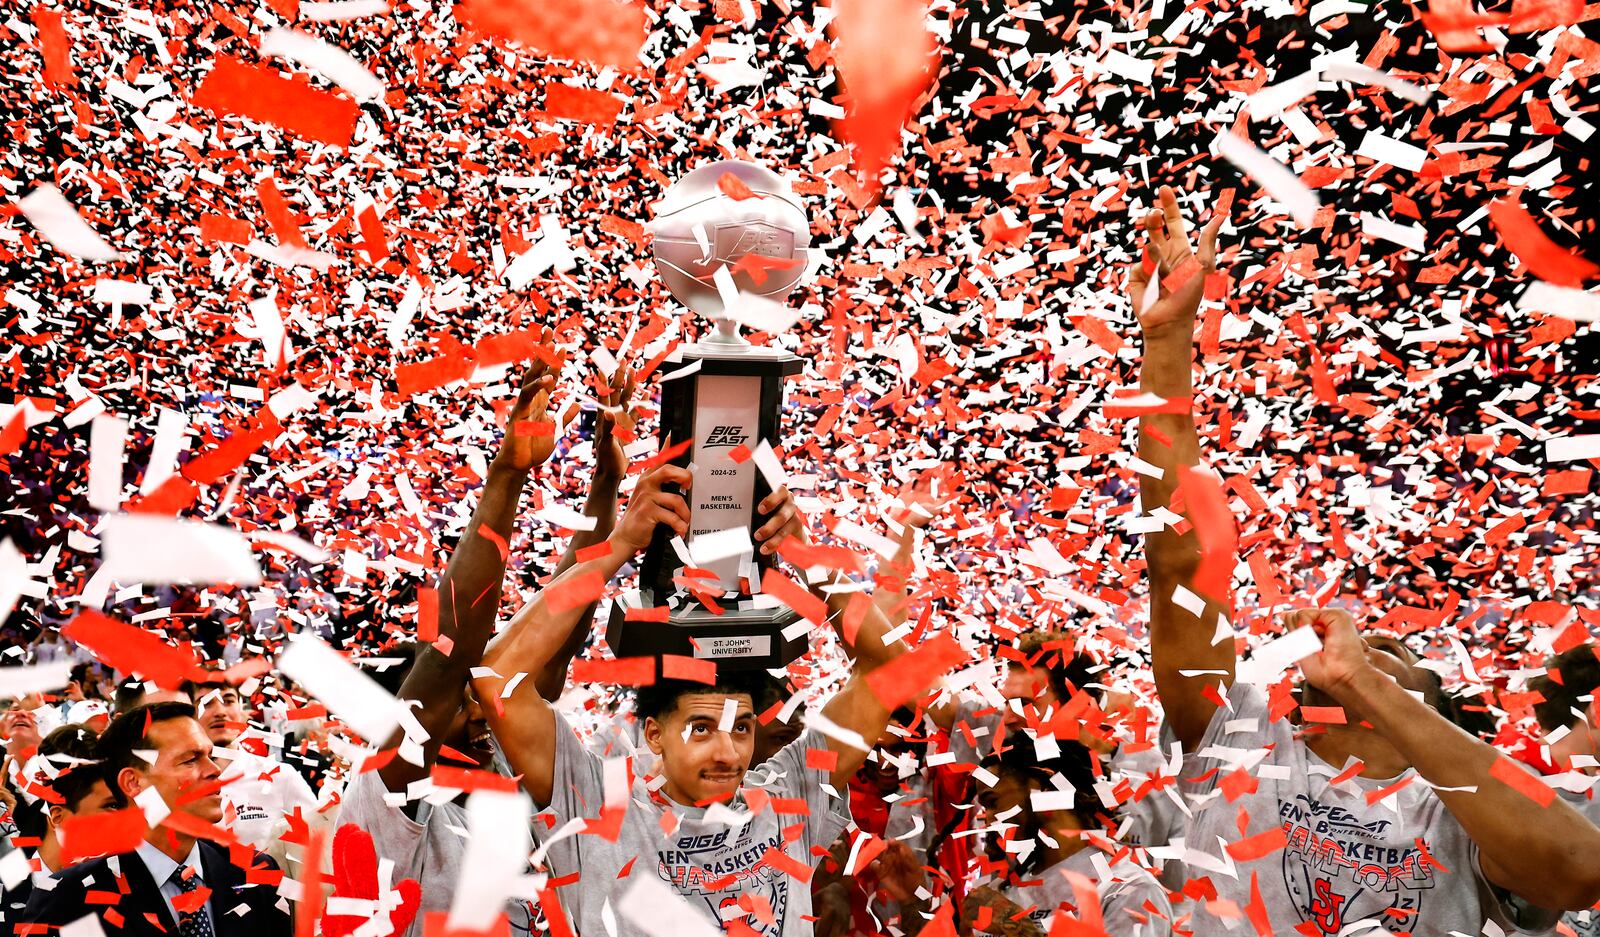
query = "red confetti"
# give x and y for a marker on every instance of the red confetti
(581, 104)
(260, 93)
(134, 650)
(55, 46)
(604, 32)
(1544, 258)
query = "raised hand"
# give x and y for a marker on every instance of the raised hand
(355, 875)
(527, 444)
(649, 506)
(926, 498)
(1344, 654)
(785, 520)
(1159, 309)
(610, 461)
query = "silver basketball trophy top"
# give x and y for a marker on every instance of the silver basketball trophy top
(728, 232)
(762, 241)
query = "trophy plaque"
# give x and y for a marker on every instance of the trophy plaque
(729, 229)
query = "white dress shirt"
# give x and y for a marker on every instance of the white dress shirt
(161, 868)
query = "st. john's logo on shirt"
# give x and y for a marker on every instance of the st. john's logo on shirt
(1339, 870)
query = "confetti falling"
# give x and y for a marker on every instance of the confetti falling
(303, 250)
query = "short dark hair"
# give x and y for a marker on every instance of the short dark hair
(1073, 764)
(130, 693)
(657, 699)
(129, 732)
(199, 691)
(1579, 668)
(80, 671)
(1065, 668)
(67, 748)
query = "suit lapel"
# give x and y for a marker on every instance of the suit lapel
(145, 894)
(222, 877)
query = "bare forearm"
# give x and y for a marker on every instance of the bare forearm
(1166, 440)
(538, 633)
(892, 594)
(867, 644)
(469, 593)
(1545, 853)
(602, 506)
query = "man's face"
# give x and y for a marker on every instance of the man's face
(773, 736)
(1391, 657)
(222, 715)
(1008, 799)
(469, 734)
(183, 766)
(98, 800)
(702, 763)
(883, 771)
(1031, 685)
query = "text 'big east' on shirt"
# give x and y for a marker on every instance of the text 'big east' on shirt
(1345, 860)
(710, 864)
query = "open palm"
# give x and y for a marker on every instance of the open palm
(1157, 307)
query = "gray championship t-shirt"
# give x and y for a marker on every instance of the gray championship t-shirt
(709, 863)
(1345, 860)
(1132, 902)
(429, 848)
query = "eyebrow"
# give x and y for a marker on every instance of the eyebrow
(698, 718)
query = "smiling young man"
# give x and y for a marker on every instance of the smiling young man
(259, 791)
(150, 883)
(735, 841)
(1378, 812)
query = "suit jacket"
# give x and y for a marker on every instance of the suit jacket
(142, 896)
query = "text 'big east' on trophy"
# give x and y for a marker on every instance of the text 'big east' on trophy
(730, 238)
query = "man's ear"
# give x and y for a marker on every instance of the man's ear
(131, 782)
(652, 734)
(58, 815)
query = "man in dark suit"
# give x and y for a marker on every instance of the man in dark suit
(173, 883)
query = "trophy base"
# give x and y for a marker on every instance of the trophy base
(738, 639)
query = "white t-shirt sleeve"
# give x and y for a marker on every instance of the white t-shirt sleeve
(577, 786)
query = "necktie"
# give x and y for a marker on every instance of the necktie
(191, 923)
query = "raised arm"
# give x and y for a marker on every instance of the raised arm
(469, 594)
(855, 707)
(1179, 639)
(610, 466)
(523, 722)
(1543, 854)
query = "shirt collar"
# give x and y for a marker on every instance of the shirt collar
(161, 865)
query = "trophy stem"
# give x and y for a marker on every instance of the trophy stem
(726, 332)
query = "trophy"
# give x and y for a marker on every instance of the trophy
(727, 230)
